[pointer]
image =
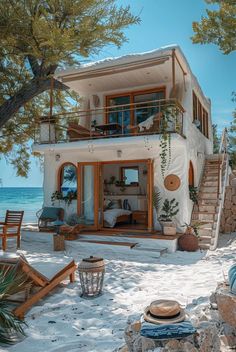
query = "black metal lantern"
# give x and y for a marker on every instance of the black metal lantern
(91, 274)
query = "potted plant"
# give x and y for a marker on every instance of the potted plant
(168, 211)
(189, 240)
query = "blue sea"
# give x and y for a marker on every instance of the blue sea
(29, 199)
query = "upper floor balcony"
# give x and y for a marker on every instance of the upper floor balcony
(126, 120)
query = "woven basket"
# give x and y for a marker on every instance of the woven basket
(58, 242)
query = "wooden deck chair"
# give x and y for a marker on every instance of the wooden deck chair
(11, 227)
(40, 285)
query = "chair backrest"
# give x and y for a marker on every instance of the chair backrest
(52, 213)
(14, 217)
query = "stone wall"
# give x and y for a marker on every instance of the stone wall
(215, 324)
(228, 217)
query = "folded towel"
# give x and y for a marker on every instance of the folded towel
(167, 331)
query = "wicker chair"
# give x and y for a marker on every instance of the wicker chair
(47, 215)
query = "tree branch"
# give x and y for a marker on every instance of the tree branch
(35, 87)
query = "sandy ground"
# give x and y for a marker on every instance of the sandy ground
(65, 322)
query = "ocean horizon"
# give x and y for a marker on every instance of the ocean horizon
(29, 199)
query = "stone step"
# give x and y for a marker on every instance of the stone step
(204, 246)
(205, 241)
(207, 195)
(204, 216)
(210, 183)
(206, 232)
(208, 189)
(208, 202)
(206, 208)
(210, 172)
(205, 225)
(208, 178)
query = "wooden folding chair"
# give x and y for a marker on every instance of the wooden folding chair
(39, 284)
(11, 227)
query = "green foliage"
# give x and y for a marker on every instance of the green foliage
(169, 114)
(193, 194)
(232, 137)
(194, 226)
(71, 195)
(169, 210)
(38, 37)
(11, 282)
(216, 139)
(156, 199)
(218, 27)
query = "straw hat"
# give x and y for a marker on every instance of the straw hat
(164, 311)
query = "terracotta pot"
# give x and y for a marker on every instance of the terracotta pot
(188, 242)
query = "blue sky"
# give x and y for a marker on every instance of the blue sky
(162, 23)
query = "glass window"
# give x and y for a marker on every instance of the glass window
(130, 175)
(68, 179)
(119, 114)
(146, 105)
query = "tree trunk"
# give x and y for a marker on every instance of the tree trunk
(35, 87)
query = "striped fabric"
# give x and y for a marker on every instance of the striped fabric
(167, 331)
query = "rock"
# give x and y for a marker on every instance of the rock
(227, 204)
(234, 199)
(207, 337)
(226, 303)
(147, 345)
(123, 349)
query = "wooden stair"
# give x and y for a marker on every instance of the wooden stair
(207, 211)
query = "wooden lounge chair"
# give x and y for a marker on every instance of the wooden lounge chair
(11, 227)
(76, 131)
(38, 284)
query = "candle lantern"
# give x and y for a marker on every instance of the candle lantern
(91, 274)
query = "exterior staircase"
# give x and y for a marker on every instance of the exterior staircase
(207, 212)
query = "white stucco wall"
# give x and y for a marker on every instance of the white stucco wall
(132, 148)
(194, 148)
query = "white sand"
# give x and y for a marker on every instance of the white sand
(65, 322)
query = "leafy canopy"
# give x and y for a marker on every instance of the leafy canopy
(37, 37)
(218, 27)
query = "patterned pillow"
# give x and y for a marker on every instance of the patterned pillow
(116, 204)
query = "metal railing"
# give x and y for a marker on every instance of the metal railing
(149, 117)
(223, 174)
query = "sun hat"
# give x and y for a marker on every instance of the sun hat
(164, 311)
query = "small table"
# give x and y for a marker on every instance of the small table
(109, 127)
(140, 216)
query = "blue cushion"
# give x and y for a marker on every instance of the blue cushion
(50, 213)
(167, 331)
(232, 278)
(231, 271)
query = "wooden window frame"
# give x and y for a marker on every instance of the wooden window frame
(191, 174)
(122, 168)
(200, 114)
(131, 94)
(59, 174)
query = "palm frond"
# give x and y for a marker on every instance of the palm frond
(12, 281)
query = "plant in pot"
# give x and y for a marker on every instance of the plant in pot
(189, 240)
(168, 211)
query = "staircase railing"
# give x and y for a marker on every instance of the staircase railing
(223, 170)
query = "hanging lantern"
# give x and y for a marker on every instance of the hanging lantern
(91, 274)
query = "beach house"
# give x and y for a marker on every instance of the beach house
(144, 127)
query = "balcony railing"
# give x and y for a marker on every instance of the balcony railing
(142, 118)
